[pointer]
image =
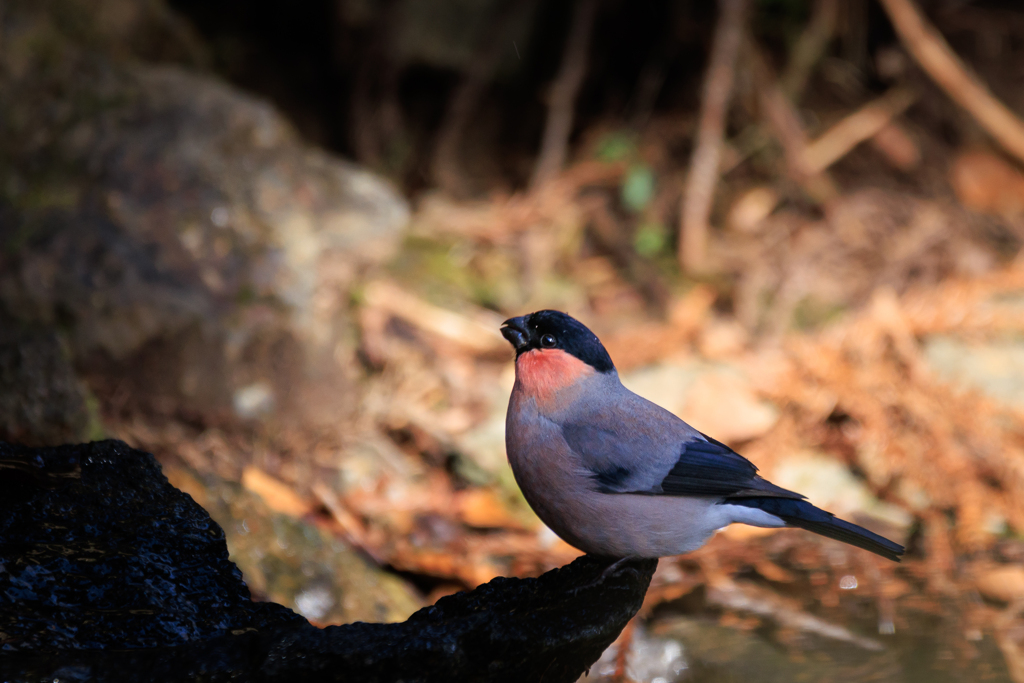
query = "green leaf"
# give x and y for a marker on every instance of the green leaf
(650, 239)
(616, 146)
(638, 188)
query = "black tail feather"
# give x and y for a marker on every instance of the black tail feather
(803, 515)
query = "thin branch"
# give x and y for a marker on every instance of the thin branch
(703, 175)
(861, 125)
(377, 73)
(475, 331)
(446, 168)
(896, 144)
(610, 239)
(785, 125)
(935, 56)
(809, 48)
(563, 95)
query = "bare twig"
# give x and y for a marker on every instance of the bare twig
(445, 167)
(1007, 626)
(895, 143)
(652, 78)
(562, 99)
(935, 56)
(376, 80)
(353, 529)
(785, 125)
(625, 643)
(853, 33)
(703, 176)
(861, 125)
(809, 48)
(476, 332)
(608, 235)
(745, 597)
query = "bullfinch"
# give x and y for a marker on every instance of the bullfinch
(615, 475)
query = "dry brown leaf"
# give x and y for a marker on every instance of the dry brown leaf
(485, 509)
(748, 212)
(986, 183)
(897, 147)
(1004, 583)
(278, 495)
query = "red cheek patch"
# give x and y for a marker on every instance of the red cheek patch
(543, 372)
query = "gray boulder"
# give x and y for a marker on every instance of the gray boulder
(176, 228)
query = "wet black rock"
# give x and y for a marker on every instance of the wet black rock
(97, 551)
(109, 573)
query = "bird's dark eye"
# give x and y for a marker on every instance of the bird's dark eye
(548, 341)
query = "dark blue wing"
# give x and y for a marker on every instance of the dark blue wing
(710, 468)
(633, 461)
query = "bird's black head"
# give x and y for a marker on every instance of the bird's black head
(555, 330)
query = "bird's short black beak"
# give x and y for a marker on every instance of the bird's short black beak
(516, 332)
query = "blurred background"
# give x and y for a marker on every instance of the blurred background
(272, 243)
